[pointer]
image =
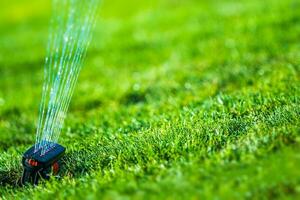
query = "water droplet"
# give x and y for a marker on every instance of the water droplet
(136, 87)
(66, 38)
(2, 102)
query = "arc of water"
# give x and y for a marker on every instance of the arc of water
(54, 85)
(74, 80)
(48, 70)
(60, 93)
(65, 73)
(54, 103)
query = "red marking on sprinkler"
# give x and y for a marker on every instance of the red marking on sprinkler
(55, 168)
(33, 162)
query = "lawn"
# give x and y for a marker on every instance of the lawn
(178, 99)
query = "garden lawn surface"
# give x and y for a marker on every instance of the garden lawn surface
(182, 99)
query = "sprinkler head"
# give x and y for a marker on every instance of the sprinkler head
(37, 165)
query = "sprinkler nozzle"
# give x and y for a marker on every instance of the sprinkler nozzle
(39, 165)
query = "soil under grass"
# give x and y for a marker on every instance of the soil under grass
(177, 100)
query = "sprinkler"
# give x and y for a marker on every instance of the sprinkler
(71, 32)
(40, 166)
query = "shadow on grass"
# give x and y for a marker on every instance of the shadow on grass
(73, 165)
(10, 177)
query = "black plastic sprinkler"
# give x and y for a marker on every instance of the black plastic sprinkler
(37, 165)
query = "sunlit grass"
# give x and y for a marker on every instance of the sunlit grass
(178, 99)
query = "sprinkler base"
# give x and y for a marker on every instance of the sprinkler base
(40, 166)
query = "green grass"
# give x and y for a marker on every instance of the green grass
(180, 99)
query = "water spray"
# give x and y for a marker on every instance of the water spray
(70, 34)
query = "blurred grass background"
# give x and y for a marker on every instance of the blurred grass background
(177, 99)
